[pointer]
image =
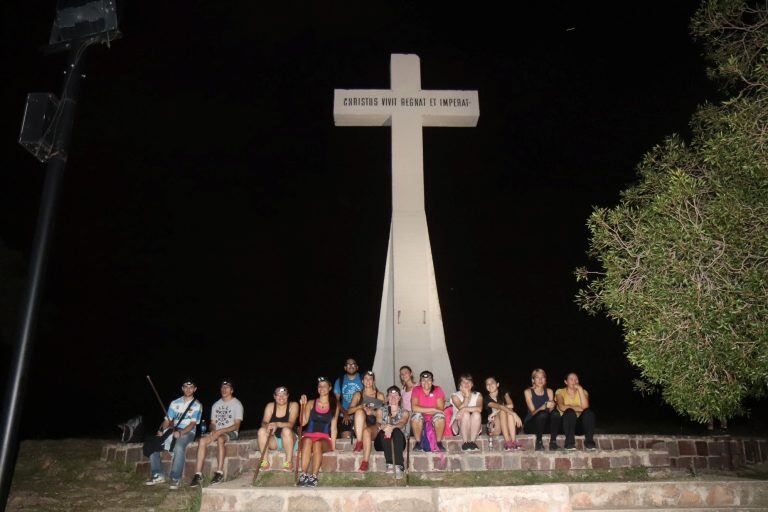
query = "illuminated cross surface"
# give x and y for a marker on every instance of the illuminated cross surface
(410, 324)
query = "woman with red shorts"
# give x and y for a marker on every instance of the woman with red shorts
(319, 431)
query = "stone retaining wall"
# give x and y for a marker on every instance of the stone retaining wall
(615, 451)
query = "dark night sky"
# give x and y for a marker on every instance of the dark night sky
(215, 223)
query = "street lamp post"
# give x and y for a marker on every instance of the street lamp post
(78, 25)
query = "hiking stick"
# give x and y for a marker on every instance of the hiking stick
(407, 458)
(157, 395)
(298, 445)
(263, 454)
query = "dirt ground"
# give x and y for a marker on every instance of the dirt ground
(67, 476)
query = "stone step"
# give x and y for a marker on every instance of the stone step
(654, 509)
(518, 460)
(670, 496)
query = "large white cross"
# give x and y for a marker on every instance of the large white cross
(410, 324)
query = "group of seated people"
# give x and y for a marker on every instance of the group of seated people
(384, 421)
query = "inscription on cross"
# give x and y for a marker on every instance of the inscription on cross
(410, 323)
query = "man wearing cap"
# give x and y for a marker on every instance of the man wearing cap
(183, 415)
(345, 388)
(226, 416)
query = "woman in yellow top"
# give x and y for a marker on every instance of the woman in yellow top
(574, 412)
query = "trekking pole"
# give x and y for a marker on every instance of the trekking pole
(407, 457)
(392, 447)
(298, 445)
(263, 453)
(157, 395)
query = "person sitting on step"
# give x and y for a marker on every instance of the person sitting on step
(428, 405)
(183, 416)
(226, 416)
(540, 401)
(345, 388)
(392, 421)
(319, 431)
(467, 413)
(363, 410)
(407, 383)
(501, 419)
(276, 432)
(574, 412)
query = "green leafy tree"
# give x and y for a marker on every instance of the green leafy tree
(684, 254)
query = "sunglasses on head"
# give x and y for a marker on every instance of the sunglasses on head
(281, 389)
(322, 379)
(370, 372)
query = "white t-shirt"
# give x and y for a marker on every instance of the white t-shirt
(474, 395)
(224, 414)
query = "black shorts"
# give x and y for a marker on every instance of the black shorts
(370, 420)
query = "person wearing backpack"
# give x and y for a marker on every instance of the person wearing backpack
(182, 416)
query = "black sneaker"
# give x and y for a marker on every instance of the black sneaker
(196, 480)
(218, 477)
(570, 447)
(539, 445)
(417, 447)
(553, 446)
(590, 447)
(440, 446)
(473, 446)
(465, 447)
(311, 481)
(302, 480)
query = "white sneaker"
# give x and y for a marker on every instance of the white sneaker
(157, 479)
(175, 484)
(399, 472)
(390, 469)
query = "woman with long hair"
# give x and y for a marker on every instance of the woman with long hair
(319, 430)
(502, 418)
(365, 403)
(407, 383)
(540, 401)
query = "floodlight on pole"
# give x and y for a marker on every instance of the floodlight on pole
(46, 131)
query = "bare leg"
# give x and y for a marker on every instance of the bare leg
(317, 456)
(306, 454)
(504, 420)
(474, 426)
(417, 426)
(263, 438)
(359, 424)
(221, 440)
(439, 429)
(201, 447)
(512, 427)
(368, 435)
(464, 420)
(287, 436)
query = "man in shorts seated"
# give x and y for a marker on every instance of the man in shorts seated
(226, 416)
(345, 388)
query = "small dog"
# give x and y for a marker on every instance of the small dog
(132, 430)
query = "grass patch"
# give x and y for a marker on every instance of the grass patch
(67, 475)
(462, 478)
